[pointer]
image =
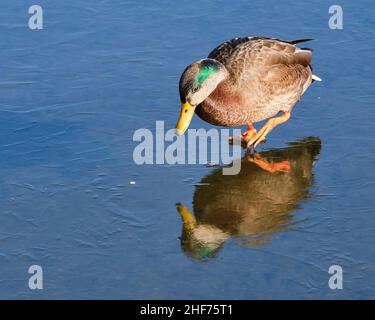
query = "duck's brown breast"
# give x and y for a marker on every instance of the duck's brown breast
(229, 107)
(224, 107)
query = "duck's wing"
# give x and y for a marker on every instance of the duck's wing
(225, 51)
(267, 60)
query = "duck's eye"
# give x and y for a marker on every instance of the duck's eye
(186, 110)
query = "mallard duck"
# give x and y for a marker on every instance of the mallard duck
(246, 80)
(254, 204)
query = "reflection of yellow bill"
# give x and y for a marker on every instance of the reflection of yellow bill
(187, 217)
(187, 112)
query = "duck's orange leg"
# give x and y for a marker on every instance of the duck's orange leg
(247, 135)
(272, 123)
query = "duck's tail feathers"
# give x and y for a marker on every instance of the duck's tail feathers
(316, 78)
(301, 40)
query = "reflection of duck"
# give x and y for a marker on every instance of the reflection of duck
(256, 203)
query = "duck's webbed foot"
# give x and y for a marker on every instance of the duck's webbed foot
(261, 135)
(246, 136)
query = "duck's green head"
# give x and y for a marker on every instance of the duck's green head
(197, 82)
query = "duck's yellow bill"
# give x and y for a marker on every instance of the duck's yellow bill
(187, 112)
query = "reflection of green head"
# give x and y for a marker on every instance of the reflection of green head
(191, 243)
(205, 251)
(197, 249)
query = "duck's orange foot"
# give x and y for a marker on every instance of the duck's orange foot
(249, 133)
(246, 136)
(261, 135)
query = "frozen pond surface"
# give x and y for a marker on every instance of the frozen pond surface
(72, 96)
